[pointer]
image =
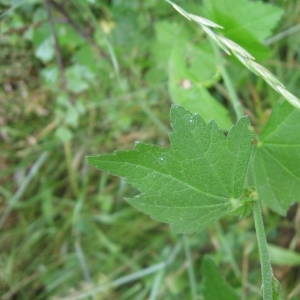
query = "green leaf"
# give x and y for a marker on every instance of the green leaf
(78, 78)
(45, 51)
(68, 37)
(276, 159)
(283, 257)
(85, 56)
(247, 23)
(186, 89)
(201, 63)
(214, 286)
(64, 134)
(191, 184)
(162, 46)
(276, 289)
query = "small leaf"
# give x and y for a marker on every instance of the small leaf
(64, 134)
(164, 42)
(45, 51)
(214, 286)
(186, 87)
(283, 257)
(276, 159)
(243, 210)
(191, 184)
(276, 289)
(248, 23)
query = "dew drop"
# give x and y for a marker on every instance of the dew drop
(191, 121)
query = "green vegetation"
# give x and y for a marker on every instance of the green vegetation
(79, 78)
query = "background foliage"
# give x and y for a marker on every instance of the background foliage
(82, 77)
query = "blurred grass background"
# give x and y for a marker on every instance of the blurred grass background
(86, 77)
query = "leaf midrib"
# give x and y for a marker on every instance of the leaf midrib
(270, 134)
(269, 184)
(176, 179)
(182, 207)
(281, 165)
(204, 154)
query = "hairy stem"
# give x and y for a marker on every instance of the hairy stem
(266, 268)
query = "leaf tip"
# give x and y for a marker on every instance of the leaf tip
(89, 159)
(243, 122)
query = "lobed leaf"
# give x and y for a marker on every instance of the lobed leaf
(276, 159)
(194, 182)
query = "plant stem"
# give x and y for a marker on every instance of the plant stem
(56, 46)
(237, 106)
(71, 171)
(227, 249)
(156, 285)
(16, 197)
(191, 273)
(129, 278)
(266, 268)
(154, 118)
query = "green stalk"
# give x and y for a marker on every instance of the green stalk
(237, 106)
(129, 278)
(191, 273)
(22, 188)
(154, 294)
(154, 118)
(225, 245)
(266, 268)
(71, 171)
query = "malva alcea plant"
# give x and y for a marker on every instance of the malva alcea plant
(202, 176)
